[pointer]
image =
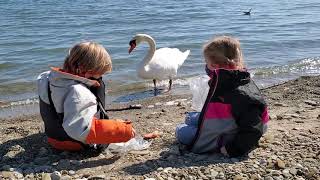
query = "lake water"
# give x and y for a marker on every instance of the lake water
(280, 40)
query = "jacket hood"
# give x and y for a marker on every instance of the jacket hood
(229, 79)
(60, 78)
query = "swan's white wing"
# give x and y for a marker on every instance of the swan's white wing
(170, 56)
(164, 64)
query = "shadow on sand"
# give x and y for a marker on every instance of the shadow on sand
(33, 154)
(177, 156)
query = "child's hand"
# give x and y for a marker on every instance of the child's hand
(126, 121)
(152, 135)
(133, 133)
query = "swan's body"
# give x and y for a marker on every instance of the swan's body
(158, 64)
(163, 65)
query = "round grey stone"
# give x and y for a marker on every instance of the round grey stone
(167, 169)
(71, 172)
(55, 175)
(66, 177)
(268, 178)
(293, 171)
(286, 173)
(213, 173)
(298, 166)
(98, 177)
(45, 176)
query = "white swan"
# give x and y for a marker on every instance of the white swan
(158, 64)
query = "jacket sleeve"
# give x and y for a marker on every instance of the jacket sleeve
(109, 131)
(80, 123)
(250, 130)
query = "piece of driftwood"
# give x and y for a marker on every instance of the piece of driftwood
(126, 108)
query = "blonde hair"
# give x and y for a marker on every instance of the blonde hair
(87, 56)
(223, 51)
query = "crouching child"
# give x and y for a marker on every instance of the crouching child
(72, 101)
(234, 115)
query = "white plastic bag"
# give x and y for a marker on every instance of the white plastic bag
(199, 88)
(136, 144)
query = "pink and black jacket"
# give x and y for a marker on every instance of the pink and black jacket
(234, 115)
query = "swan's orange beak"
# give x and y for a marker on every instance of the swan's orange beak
(132, 45)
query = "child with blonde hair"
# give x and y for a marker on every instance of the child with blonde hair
(72, 101)
(234, 115)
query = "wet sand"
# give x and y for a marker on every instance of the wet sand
(289, 150)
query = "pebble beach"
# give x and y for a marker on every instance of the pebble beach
(289, 150)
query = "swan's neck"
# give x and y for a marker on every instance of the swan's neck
(152, 49)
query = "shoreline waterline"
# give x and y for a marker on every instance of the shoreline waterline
(29, 107)
(117, 84)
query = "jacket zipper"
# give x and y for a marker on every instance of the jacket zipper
(205, 108)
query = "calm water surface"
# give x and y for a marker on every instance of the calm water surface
(280, 40)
